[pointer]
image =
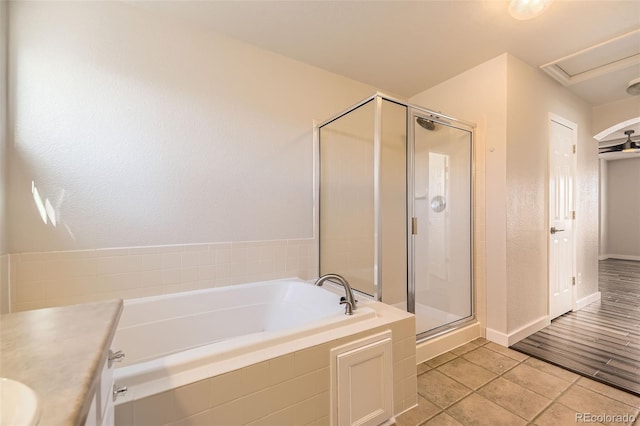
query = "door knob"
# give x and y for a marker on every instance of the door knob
(554, 230)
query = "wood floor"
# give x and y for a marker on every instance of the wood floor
(602, 340)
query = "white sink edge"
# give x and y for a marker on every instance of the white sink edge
(19, 404)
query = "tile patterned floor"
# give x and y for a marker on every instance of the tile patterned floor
(482, 383)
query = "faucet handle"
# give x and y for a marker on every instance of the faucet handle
(344, 300)
(348, 309)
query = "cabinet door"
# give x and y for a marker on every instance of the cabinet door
(92, 417)
(364, 384)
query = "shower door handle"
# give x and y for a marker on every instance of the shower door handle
(554, 230)
(414, 226)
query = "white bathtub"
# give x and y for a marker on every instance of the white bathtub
(173, 340)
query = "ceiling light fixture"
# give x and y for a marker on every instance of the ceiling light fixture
(527, 9)
(633, 88)
(629, 145)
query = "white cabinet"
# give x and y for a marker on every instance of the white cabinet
(362, 382)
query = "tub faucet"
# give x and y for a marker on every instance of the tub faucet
(349, 301)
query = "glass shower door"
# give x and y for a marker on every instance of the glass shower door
(441, 268)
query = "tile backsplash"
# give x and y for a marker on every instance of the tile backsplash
(39, 280)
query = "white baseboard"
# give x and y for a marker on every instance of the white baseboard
(497, 337)
(619, 256)
(519, 334)
(594, 297)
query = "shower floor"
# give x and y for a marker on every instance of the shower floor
(428, 317)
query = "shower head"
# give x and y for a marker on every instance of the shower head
(426, 124)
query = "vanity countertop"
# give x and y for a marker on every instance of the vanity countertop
(58, 352)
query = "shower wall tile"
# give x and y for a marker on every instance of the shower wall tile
(39, 280)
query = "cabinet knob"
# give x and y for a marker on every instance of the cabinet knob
(117, 391)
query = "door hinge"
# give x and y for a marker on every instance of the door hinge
(573, 214)
(414, 225)
(574, 148)
(573, 280)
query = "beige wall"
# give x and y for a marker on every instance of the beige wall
(607, 115)
(148, 137)
(602, 208)
(531, 97)
(511, 101)
(623, 209)
(3, 124)
(144, 130)
(4, 268)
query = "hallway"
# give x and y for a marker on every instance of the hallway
(602, 340)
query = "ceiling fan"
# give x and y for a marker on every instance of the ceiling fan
(626, 146)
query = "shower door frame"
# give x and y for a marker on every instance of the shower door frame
(413, 112)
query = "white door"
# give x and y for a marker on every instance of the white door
(562, 142)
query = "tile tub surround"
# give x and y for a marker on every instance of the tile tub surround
(291, 389)
(39, 280)
(58, 352)
(482, 383)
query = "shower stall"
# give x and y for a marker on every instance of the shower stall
(395, 209)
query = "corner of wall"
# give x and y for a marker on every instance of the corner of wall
(4, 257)
(4, 20)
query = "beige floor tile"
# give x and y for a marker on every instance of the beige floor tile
(492, 361)
(467, 373)
(440, 389)
(552, 369)
(518, 356)
(419, 414)
(480, 341)
(536, 380)
(477, 410)
(558, 415)
(584, 400)
(422, 368)
(442, 419)
(514, 398)
(464, 348)
(440, 359)
(613, 393)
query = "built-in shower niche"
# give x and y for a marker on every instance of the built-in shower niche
(395, 208)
